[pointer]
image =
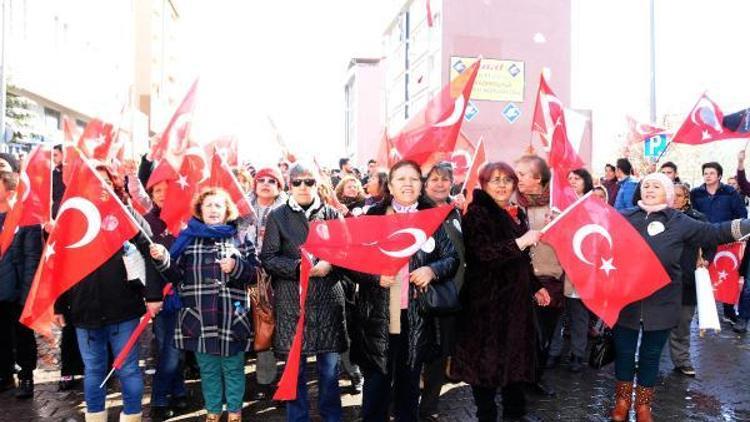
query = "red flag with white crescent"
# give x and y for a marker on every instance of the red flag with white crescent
(724, 272)
(222, 177)
(704, 125)
(175, 140)
(608, 261)
(435, 129)
(33, 203)
(373, 244)
(190, 178)
(91, 226)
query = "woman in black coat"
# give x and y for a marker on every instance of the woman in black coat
(391, 339)
(325, 329)
(668, 232)
(497, 339)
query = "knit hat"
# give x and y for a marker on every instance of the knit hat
(12, 161)
(665, 182)
(270, 172)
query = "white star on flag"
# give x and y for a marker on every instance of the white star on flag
(705, 135)
(723, 275)
(607, 265)
(182, 181)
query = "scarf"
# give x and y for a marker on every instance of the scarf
(197, 229)
(534, 200)
(651, 208)
(310, 210)
(398, 294)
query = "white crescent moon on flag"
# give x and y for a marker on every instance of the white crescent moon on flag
(462, 153)
(728, 255)
(707, 113)
(180, 122)
(196, 151)
(25, 180)
(582, 233)
(458, 109)
(93, 219)
(419, 238)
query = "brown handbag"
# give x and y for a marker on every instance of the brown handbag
(264, 323)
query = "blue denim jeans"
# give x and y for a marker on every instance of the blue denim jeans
(652, 343)
(329, 397)
(168, 379)
(93, 346)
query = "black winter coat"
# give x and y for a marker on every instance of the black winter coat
(106, 296)
(497, 340)
(18, 265)
(325, 327)
(370, 335)
(661, 310)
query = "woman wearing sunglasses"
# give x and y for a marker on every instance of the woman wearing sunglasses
(325, 331)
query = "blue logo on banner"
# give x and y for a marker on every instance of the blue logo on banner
(654, 146)
(471, 111)
(514, 70)
(511, 112)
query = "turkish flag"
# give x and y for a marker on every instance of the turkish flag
(91, 226)
(96, 140)
(638, 132)
(562, 157)
(373, 244)
(473, 179)
(222, 177)
(227, 146)
(193, 173)
(548, 110)
(704, 125)
(461, 157)
(33, 203)
(608, 261)
(434, 130)
(725, 275)
(174, 141)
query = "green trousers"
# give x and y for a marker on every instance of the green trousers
(232, 386)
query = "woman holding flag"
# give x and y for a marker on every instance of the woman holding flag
(669, 233)
(497, 341)
(212, 266)
(105, 308)
(391, 340)
(324, 329)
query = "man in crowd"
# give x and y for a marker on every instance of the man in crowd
(719, 203)
(669, 169)
(626, 184)
(744, 303)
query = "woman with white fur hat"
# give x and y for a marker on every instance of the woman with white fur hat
(667, 231)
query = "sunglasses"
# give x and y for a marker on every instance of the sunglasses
(298, 182)
(267, 180)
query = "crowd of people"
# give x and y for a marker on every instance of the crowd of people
(518, 306)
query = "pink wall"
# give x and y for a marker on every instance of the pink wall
(370, 113)
(505, 29)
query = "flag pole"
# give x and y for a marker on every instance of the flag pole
(566, 212)
(51, 183)
(473, 159)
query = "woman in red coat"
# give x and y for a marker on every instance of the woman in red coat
(497, 339)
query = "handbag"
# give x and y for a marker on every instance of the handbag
(439, 299)
(264, 322)
(602, 350)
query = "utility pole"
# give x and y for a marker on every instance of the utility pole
(652, 42)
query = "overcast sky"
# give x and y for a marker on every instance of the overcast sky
(287, 59)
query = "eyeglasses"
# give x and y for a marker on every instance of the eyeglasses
(267, 180)
(298, 182)
(501, 181)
